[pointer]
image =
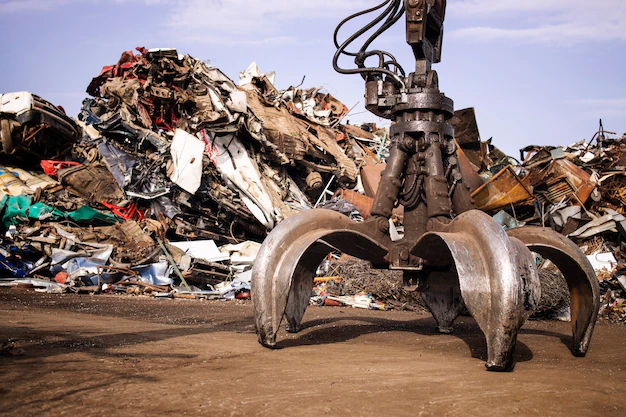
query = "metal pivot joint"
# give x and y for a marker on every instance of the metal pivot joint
(458, 257)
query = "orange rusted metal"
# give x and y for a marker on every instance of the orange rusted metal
(501, 191)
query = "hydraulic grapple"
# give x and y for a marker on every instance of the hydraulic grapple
(455, 255)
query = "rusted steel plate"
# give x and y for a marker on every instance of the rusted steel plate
(562, 178)
(501, 191)
(370, 177)
(469, 170)
(362, 202)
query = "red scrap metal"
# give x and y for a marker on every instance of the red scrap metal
(52, 167)
(130, 212)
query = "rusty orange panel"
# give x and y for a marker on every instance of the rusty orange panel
(370, 176)
(470, 174)
(562, 177)
(504, 189)
(362, 202)
(358, 132)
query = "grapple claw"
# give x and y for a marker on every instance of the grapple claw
(469, 261)
(497, 278)
(282, 276)
(442, 296)
(578, 273)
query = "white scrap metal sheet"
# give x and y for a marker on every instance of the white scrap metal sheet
(252, 72)
(602, 261)
(241, 172)
(202, 249)
(187, 152)
(16, 103)
(599, 225)
(243, 253)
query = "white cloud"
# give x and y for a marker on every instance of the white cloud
(234, 40)
(564, 22)
(501, 7)
(16, 6)
(253, 21)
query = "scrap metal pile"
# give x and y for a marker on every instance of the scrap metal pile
(578, 190)
(170, 158)
(168, 149)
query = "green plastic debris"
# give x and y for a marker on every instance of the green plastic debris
(87, 214)
(16, 209)
(41, 211)
(20, 209)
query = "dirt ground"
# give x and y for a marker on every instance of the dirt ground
(127, 356)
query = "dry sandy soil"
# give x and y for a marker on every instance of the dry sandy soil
(109, 355)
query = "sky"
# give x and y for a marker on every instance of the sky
(536, 71)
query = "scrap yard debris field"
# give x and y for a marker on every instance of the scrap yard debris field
(181, 216)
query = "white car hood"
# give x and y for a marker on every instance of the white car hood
(16, 103)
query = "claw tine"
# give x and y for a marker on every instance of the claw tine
(578, 273)
(302, 283)
(497, 278)
(282, 276)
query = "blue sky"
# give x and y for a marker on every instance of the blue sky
(537, 71)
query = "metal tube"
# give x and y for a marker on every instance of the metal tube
(390, 183)
(173, 263)
(436, 183)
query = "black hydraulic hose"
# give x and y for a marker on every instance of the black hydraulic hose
(391, 20)
(393, 12)
(361, 31)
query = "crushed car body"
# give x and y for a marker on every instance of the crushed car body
(31, 126)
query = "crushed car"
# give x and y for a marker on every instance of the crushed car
(31, 126)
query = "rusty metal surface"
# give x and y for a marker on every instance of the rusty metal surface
(301, 140)
(363, 203)
(469, 171)
(358, 132)
(465, 126)
(370, 176)
(501, 191)
(94, 183)
(562, 178)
